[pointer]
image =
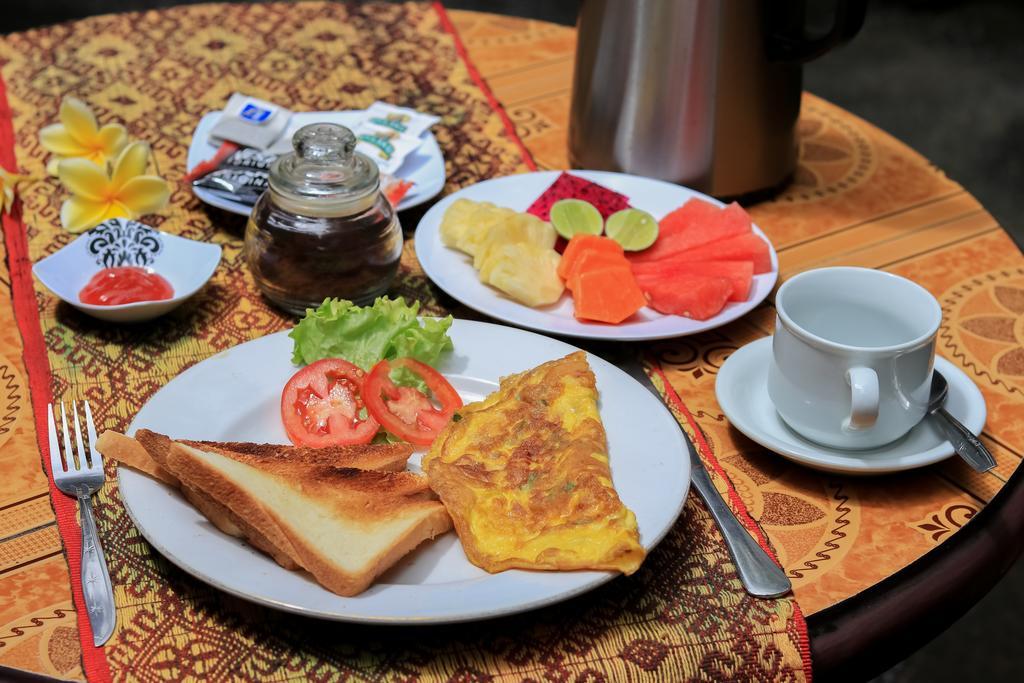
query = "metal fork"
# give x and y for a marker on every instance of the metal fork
(82, 477)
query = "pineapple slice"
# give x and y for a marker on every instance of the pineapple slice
(484, 221)
(524, 272)
(519, 227)
(459, 219)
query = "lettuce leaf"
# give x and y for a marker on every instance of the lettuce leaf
(364, 335)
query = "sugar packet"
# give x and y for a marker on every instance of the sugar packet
(251, 122)
(386, 146)
(400, 119)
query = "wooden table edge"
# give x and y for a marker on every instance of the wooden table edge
(868, 633)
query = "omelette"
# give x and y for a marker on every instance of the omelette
(524, 474)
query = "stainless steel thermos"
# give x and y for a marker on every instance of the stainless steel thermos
(704, 93)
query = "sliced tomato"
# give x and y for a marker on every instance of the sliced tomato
(321, 403)
(406, 412)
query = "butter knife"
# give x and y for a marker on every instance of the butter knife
(760, 576)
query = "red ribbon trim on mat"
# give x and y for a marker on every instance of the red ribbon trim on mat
(510, 127)
(37, 364)
(742, 513)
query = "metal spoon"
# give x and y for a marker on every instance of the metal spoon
(964, 443)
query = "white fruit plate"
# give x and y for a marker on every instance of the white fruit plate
(453, 271)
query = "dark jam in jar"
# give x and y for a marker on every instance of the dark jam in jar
(125, 285)
(323, 228)
(298, 261)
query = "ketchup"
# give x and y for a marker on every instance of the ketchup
(125, 285)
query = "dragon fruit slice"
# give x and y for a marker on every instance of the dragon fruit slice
(568, 186)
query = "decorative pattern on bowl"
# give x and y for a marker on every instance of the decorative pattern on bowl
(185, 263)
(120, 242)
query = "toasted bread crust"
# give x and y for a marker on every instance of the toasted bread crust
(129, 452)
(264, 532)
(158, 446)
(233, 525)
(435, 522)
(356, 495)
(295, 462)
(389, 457)
(365, 484)
(221, 517)
(385, 457)
(356, 480)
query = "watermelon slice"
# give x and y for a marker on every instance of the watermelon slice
(695, 297)
(740, 273)
(693, 224)
(748, 247)
(568, 186)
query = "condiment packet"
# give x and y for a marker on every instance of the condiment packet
(386, 146)
(240, 185)
(249, 158)
(400, 119)
(394, 188)
(251, 122)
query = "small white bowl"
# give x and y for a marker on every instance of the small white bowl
(184, 263)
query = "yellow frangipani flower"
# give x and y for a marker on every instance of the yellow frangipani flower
(78, 135)
(8, 186)
(124, 192)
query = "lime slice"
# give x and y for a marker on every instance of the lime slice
(632, 228)
(575, 217)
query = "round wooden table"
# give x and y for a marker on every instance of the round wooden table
(879, 565)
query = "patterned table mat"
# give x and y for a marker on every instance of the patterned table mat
(683, 614)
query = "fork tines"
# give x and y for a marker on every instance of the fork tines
(80, 458)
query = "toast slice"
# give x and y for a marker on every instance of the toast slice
(127, 451)
(345, 526)
(147, 452)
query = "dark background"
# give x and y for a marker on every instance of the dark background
(944, 76)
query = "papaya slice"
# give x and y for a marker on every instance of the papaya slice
(593, 260)
(606, 294)
(581, 243)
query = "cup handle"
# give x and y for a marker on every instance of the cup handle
(863, 398)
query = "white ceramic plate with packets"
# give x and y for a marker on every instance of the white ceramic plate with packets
(223, 399)
(185, 264)
(453, 271)
(424, 167)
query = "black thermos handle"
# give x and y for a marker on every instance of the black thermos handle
(787, 38)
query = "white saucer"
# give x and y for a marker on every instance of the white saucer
(742, 393)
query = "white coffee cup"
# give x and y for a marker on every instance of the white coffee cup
(852, 355)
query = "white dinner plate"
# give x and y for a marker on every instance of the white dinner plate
(424, 167)
(235, 395)
(742, 391)
(453, 271)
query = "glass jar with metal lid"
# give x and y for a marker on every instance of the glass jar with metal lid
(323, 228)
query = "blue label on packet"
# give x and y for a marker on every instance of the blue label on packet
(255, 114)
